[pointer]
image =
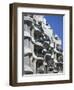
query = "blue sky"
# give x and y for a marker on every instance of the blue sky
(56, 22)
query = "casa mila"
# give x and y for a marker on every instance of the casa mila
(43, 52)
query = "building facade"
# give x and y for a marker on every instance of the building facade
(42, 48)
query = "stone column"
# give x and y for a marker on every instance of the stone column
(34, 66)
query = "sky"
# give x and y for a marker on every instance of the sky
(56, 23)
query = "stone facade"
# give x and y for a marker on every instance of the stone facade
(42, 48)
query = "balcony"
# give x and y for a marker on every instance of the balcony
(28, 20)
(38, 58)
(37, 29)
(39, 44)
(57, 51)
(36, 42)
